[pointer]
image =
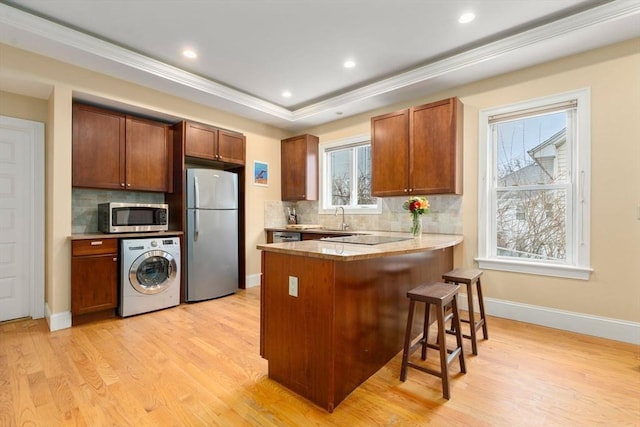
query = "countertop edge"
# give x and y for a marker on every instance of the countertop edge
(317, 231)
(147, 234)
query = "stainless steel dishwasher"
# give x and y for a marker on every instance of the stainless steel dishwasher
(286, 236)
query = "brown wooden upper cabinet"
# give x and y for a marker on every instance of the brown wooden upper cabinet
(112, 150)
(299, 164)
(418, 150)
(210, 143)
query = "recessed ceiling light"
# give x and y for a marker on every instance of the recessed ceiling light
(286, 94)
(349, 64)
(189, 53)
(467, 17)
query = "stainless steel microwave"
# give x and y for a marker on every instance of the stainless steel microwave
(132, 217)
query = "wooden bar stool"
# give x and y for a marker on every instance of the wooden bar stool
(442, 296)
(470, 276)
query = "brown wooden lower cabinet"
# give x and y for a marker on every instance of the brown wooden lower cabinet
(347, 321)
(94, 279)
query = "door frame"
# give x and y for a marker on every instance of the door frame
(36, 265)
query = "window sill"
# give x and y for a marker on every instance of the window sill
(564, 271)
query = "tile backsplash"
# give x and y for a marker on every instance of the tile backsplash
(444, 217)
(84, 203)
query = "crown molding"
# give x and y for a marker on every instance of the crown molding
(83, 44)
(94, 46)
(600, 15)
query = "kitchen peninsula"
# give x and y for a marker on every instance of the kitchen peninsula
(333, 313)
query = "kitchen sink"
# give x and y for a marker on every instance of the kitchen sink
(365, 239)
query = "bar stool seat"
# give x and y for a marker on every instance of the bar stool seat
(470, 277)
(442, 296)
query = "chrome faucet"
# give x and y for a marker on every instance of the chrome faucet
(343, 225)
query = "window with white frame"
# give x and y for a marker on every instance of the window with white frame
(346, 176)
(534, 186)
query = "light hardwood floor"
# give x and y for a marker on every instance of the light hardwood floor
(199, 365)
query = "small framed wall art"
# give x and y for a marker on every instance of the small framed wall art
(260, 173)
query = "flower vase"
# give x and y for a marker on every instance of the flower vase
(416, 226)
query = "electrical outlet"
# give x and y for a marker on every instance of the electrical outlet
(293, 286)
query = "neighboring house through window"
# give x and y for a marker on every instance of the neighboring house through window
(535, 185)
(346, 176)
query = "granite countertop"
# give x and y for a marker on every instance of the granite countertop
(338, 251)
(99, 235)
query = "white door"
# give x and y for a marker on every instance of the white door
(21, 217)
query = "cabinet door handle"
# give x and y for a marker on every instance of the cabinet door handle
(96, 243)
(115, 259)
(405, 190)
(122, 184)
(128, 185)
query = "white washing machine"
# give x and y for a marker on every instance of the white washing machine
(150, 275)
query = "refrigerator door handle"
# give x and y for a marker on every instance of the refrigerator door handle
(196, 228)
(196, 192)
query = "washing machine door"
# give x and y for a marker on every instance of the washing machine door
(152, 272)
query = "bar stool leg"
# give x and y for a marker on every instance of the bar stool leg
(482, 316)
(472, 320)
(407, 342)
(425, 333)
(456, 321)
(444, 366)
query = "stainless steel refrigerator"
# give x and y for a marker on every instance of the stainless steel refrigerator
(212, 234)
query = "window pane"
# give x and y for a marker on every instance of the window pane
(363, 155)
(346, 176)
(532, 224)
(532, 151)
(534, 215)
(341, 162)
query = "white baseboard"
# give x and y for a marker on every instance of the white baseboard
(603, 327)
(57, 321)
(252, 280)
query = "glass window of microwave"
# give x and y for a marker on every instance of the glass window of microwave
(134, 216)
